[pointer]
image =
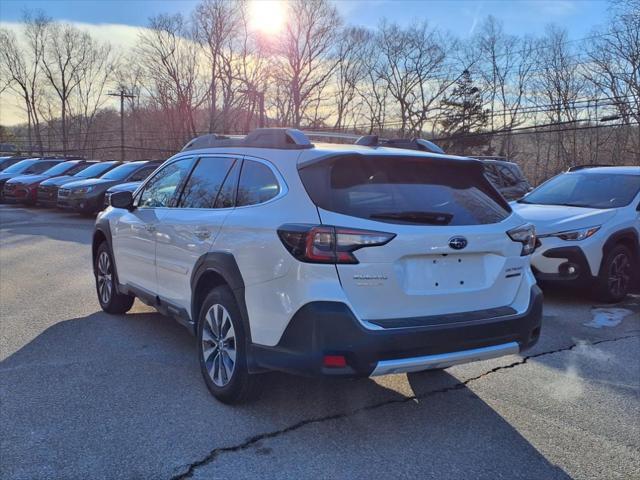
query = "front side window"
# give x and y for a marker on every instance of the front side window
(204, 184)
(160, 190)
(590, 190)
(258, 184)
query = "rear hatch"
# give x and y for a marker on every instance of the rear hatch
(450, 253)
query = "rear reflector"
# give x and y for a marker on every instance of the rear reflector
(334, 361)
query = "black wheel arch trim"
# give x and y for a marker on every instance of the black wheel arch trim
(102, 226)
(622, 235)
(224, 264)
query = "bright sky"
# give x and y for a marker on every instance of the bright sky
(117, 20)
(458, 16)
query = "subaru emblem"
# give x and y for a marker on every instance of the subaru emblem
(458, 243)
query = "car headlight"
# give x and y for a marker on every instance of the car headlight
(526, 235)
(83, 190)
(575, 235)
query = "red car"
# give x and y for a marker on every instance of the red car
(24, 188)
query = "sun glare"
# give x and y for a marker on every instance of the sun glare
(267, 16)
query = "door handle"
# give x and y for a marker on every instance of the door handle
(150, 228)
(202, 233)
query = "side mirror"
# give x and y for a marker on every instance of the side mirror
(121, 200)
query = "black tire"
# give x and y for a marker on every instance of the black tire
(110, 300)
(220, 318)
(616, 275)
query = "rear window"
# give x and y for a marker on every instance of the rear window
(411, 190)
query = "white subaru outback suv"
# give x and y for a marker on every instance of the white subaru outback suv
(341, 260)
(588, 227)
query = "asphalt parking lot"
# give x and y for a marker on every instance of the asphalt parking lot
(88, 395)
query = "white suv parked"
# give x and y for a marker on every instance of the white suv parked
(321, 259)
(588, 226)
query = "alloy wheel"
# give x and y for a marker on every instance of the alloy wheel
(105, 278)
(219, 345)
(619, 275)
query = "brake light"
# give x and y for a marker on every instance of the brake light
(328, 244)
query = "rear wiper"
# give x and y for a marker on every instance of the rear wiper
(430, 218)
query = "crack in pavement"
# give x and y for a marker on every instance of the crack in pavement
(213, 454)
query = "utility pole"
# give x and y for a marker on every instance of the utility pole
(122, 94)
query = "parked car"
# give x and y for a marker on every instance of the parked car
(6, 162)
(588, 225)
(337, 260)
(26, 167)
(24, 189)
(506, 176)
(122, 187)
(87, 196)
(48, 189)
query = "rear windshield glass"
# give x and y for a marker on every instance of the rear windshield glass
(411, 190)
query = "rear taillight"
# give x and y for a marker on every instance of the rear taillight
(327, 244)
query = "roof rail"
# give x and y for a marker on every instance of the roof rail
(412, 144)
(280, 138)
(368, 141)
(575, 168)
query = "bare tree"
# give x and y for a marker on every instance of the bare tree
(90, 95)
(218, 23)
(351, 70)
(68, 52)
(169, 56)
(614, 67)
(305, 54)
(505, 63)
(559, 84)
(22, 69)
(412, 65)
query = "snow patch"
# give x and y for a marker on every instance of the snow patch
(607, 317)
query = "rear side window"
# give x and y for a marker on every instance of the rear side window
(257, 184)
(205, 182)
(409, 190)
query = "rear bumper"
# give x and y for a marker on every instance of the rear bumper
(330, 328)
